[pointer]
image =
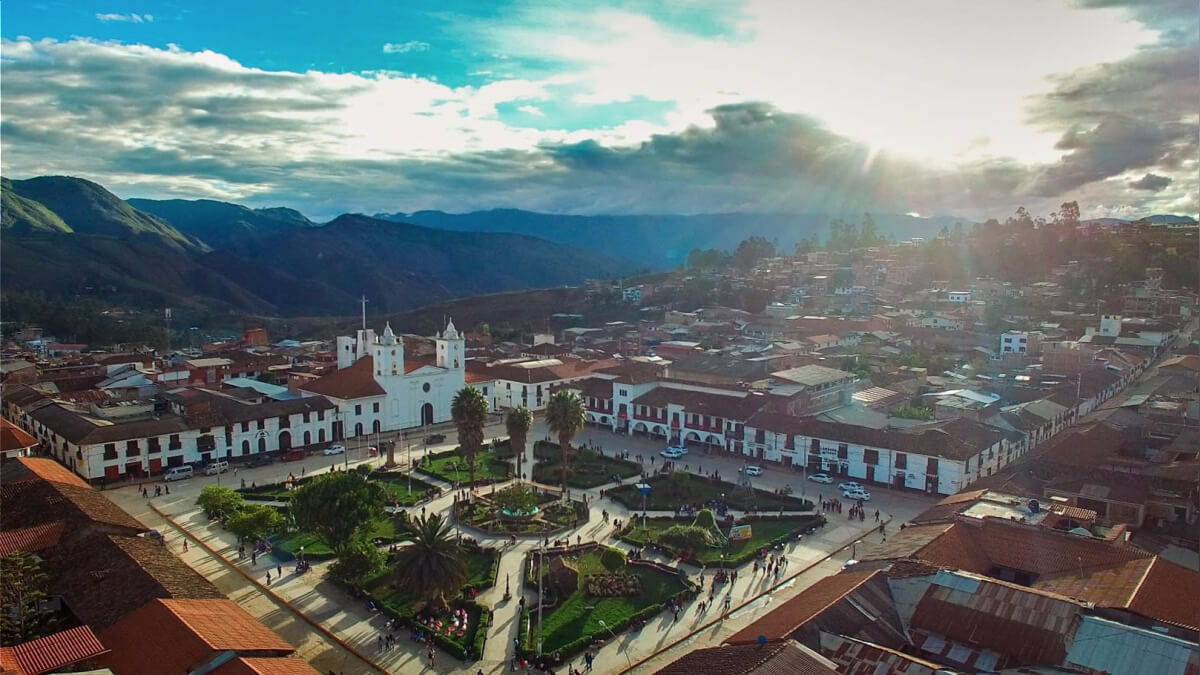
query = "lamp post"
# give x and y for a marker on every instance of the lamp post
(643, 488)
(541, 599)
(854, 549)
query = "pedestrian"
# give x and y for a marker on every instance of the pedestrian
(185, 546)
(167, 489)
(235, 470)
(253, 558)
(380, 643)
(429, 655)
(268, 577)
(588, 659)
(279, 571)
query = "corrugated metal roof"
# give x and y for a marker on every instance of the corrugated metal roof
(1120, 649)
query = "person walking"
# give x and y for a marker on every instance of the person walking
(268, 577)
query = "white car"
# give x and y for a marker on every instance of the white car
(672, 453)
(821, 478)
(334, 450)
(849, 485)
(857, 495)
(752, 470)
(678, 448)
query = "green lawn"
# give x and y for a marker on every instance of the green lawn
(587, 469)
(452, 467)
(286, 546)
(395, 484)
(575, 622)
(766, 531)
(668, 492)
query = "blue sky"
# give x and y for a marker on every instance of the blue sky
(933, 106)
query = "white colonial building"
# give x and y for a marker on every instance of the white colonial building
(376, 390)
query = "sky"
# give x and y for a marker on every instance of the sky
(946, 107)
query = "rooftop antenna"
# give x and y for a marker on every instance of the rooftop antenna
(167, 321)
(364, 312)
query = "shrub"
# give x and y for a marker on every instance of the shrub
(613, 559)
(360, 560)
(219, 501)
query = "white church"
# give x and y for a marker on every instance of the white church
(375, 390)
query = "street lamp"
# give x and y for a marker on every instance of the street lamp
(854, 549)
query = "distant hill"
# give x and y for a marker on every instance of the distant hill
(663, 241)
(220, 224)
(87, 208)
(83, 240)
(26, 215)
(1166, 219)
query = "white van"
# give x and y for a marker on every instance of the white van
(216, 468)
(177, 473)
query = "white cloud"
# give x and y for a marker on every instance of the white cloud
(131, 18)
(531, 110)
(405, 47)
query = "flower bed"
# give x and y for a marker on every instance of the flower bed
(669, 491)
(613, 585)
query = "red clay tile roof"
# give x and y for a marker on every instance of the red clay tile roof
(13, 437)
(258, 665)
(27, 501)
(31, 539)
(736, 405)
(354, 381)
(634, 372)
(51, 471)
(793, 614)
(783, 657)
(957, 439)
(1169, 593)
(184, 634)
(103, 578)
(856, 657)
(56, 651)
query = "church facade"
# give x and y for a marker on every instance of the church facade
(376, 390)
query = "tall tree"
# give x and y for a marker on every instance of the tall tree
(870, 232)
(336, 506)
(218, 501)
(22, 592)
(804, 247)
(751, 250)
(254, 522)
(433, 564)
(470, 412)
(565, 417)
(518, 422)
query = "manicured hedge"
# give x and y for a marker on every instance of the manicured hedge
(737, 553)
(669, 491)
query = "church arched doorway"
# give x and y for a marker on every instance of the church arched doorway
(285, 440)
(376, 427)
(427, 413)
(308, 438)
(358, 429)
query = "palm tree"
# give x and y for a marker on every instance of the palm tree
(470, 412)
(518, 422)
(433, 563)
(565, 418)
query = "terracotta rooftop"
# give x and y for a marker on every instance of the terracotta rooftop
(783, 657)
(790, 616)
(26, 500)
(105, 577)
(31, 539)
(957, 439)
(44, 468)
(13, 437)
(354, 381)
(736, 405)
(51, 653)
(856, 657)
(184, 635)
(634, 372)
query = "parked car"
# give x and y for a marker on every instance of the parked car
(821, 477)
(751, 470)
(849, 485)
(435, 438)
(678, 448)
(216, 467)
(672, 453)
(334, 450)
(178, 473)
(259, 460)
(857, 495)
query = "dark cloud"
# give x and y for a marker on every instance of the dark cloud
(1151, 182)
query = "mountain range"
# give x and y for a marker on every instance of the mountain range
(661, 242)
(68, 236)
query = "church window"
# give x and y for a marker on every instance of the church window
(358, 410)
(393, 352)
(394, 369)
(425, 387)
(374, 407)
